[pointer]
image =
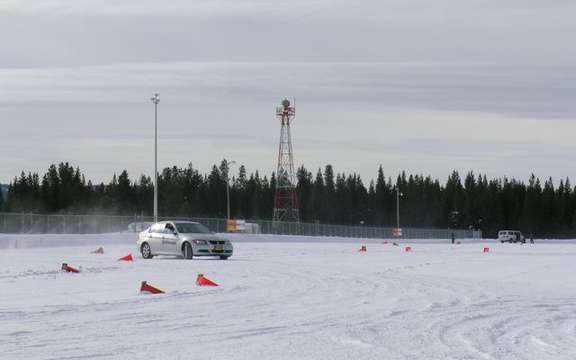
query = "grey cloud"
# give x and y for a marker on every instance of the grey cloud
(98, 32)
(522, 90)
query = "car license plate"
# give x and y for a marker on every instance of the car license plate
(218, 248)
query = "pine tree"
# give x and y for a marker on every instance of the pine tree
(124, 193)
(381, 199)
(304, 189)
(317, 206)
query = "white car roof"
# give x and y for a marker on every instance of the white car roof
(177, 221)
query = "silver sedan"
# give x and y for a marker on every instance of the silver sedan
(182, 238)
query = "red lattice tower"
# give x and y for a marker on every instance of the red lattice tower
(285, 198)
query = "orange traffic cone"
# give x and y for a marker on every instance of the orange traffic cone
(362, 248)
(100, 250)
(126, 258)
(150, 289)
(408, 248)
(68, 268)
(203, 281)
(486, 249)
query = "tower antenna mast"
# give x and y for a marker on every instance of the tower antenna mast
(285, 197)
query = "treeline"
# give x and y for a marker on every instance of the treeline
(536, 208)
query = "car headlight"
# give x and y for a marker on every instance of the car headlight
(200, 242)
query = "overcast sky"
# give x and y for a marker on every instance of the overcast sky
(425, 86)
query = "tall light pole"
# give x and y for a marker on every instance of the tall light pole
(398, 194)
(156, 99)
(228, 163)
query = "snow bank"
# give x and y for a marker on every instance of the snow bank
(21, 241)
(331, 239)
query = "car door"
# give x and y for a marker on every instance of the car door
(155, 238)
(170, 240)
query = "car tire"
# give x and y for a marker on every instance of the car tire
(187, 251)
(146, 251)
(224, 257)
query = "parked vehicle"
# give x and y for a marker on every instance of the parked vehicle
(512, 236)
(182, 238)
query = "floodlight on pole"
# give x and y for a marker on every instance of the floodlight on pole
(155, 99)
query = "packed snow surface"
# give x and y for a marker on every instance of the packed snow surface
(282, 300)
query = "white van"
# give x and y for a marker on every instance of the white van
(512, 236)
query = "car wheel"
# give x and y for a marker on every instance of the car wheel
(187, 251)
(146, 251)
(223, 257)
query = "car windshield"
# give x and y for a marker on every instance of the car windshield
(190, 228)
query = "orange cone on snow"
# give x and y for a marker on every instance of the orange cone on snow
(126, 258)
(149, 288)
(486, 249)
(408, 248)
(100, 250)
(68, 268)
(201, 280)
(362, 248)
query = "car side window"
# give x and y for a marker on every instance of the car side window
(156, 228)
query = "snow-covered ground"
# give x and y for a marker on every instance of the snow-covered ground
(282, 300)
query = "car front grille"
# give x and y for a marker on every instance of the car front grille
(217, 242)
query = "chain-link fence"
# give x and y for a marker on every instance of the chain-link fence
(94, 224)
